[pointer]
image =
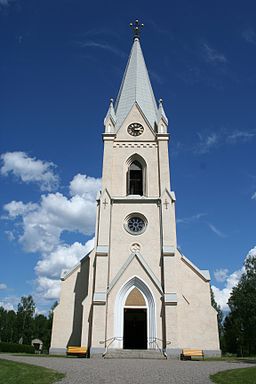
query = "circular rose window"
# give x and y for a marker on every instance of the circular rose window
(135, 224)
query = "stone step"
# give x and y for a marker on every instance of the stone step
(134, 354)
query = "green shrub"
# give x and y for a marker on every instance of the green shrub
(21, 348)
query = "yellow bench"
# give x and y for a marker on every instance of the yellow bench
(187, 354)
(77, 351)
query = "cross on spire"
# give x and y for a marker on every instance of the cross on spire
(136, 29)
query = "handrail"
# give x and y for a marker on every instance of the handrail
(105, 341)
(150, 341)
(112, 339)
(154, 341)
(167, 342)
(162, 350)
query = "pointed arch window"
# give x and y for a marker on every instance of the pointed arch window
(135, 179)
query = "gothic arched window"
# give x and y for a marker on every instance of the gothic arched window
(135, 179)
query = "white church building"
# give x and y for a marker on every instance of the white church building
(135, 290)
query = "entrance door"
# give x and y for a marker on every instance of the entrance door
(135, 328)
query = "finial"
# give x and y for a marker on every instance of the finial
(111, 100)
(160, 104)
(136, 29)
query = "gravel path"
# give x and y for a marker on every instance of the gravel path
(128, 371)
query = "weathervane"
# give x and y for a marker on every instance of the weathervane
(136, 29)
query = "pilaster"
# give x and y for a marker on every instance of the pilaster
(163, 161)
(108, 139)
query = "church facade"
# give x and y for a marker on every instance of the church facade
(135, 290)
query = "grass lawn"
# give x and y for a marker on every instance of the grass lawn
(235, 376)
(13, 373)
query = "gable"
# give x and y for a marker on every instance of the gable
(135, 116)
(142, 262)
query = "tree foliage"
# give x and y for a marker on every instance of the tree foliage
(25, 314)
(240, 324)
(219, 312)
(219, 318)
(24, 325)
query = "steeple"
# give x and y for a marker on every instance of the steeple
(136, 86)
(135, 262)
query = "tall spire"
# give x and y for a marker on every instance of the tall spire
(136, 86)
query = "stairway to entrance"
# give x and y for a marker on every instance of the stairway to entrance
(134, 354)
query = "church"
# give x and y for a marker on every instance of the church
(135, 290)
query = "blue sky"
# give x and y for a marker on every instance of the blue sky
(60, 63)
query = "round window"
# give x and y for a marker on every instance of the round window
(135, 224)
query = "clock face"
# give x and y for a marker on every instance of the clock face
(135, 129)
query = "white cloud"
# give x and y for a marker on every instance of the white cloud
(252, 252)
(254, 196)
(238, 136)
(48, 288)
(18, 208)
(42, 224)
(7, 306)
(221, 275)
(191, 219)
(249, 35)
(222, 295)
(2, 286)
(85, 186)
(197, 218)
(63, 258)
(10, 235)
(216, 230)
(211, 55)
(102, 46)
(9, 303)
(206, 143)
(30, 170)
(211, 140)
(57, 213)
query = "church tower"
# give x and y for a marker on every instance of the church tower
(135, 290)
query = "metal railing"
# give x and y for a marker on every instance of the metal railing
(111, 340)
(155, 341)
(151, 341)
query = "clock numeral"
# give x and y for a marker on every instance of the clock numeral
(135, 129)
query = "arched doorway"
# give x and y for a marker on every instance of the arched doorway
(135, 319)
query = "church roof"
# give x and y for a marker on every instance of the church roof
(136, 87)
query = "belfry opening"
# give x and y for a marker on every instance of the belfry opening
(135, 179)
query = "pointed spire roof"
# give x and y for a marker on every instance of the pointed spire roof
(161, 112)
(111, 113)
(136, 88)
